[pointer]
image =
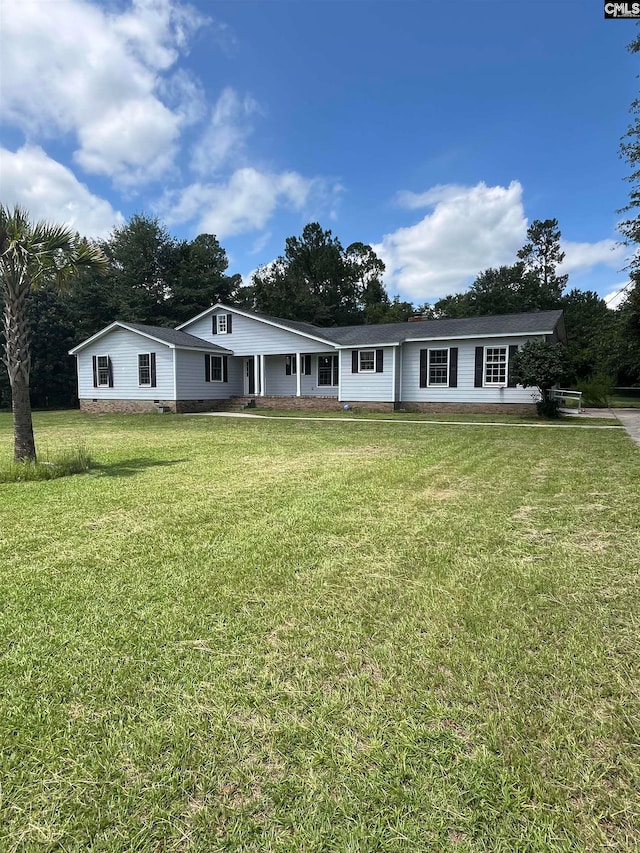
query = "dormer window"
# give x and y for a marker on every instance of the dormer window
(221, 324)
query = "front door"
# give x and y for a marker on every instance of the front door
(249, 377)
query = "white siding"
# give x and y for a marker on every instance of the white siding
(123, 347)
(279, 384)
(411, 391)
(398, 351)
(363, 387)
(191, 383)
(251, 337)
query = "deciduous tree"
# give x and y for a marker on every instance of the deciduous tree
(319, 281)
(630, 229)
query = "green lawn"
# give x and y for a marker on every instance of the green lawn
(267, 635)
(629, 399)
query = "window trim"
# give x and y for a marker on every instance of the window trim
(211, 357)
(99, 384)
(334, 362)
(373, 360)
(438, 384)
(140, 383)
(291, 364)
(502, 383)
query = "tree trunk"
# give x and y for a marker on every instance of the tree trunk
(18, 362)
(24, 447)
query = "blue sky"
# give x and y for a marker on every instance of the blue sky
(434, 131)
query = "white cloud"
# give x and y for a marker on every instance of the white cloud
(244, 203)
(468, 230)
(585, 256)
(72, 67)
(227, 133)
(260, 243)
(618, 295)
(50, 191)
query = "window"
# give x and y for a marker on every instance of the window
(367, 360)
(103, 371)
(216, 368)
(438, 367)
(495, 365)
(327, 370)
(144, 369)
(290, 365)
(221, 324)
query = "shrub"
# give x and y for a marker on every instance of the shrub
(596, 390)
(76, 461)
(542, 365)
(548, 408)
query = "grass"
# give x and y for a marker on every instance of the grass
(263, 635)
(64, 463)
(629, 399)
(427, 417)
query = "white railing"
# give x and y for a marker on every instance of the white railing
(570, 401)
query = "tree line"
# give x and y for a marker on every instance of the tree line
(151, 277)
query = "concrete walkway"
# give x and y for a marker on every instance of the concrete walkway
(630, 420)
(563, 425)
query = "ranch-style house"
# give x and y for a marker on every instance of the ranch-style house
(228, 356)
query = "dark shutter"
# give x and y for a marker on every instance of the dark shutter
(287, 365)
(354, 361)
(207, 367)
(379, 361)
(336, 375)
(479, 363)
(214, 325)
(307, 365)
(95, 371)
(153, 369)
(110, 372)
(423, 368)
(229, 319)
(513, 349)
(225, 368)
(453, 367)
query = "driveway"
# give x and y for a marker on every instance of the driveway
(630, 420)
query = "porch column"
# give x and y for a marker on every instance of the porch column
(262, 376)
(256, 375)
(393, 376)
(298, 375)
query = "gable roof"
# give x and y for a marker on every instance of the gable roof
(308, 330)
(172, 338)
(495, 325)
(530, 323)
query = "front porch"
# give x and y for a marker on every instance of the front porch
(297, 375)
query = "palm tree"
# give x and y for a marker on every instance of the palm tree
(31, 254)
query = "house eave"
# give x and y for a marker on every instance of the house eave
(426, 339)
(252, 316)
(367, 346)
(216, 350)
(118, 324)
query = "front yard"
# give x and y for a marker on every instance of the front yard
(270, 635)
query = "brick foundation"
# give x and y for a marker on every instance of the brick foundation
(471, 408)
(149, 407)
(184, 407)
(304, 404)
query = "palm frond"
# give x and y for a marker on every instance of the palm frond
(30, 253)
